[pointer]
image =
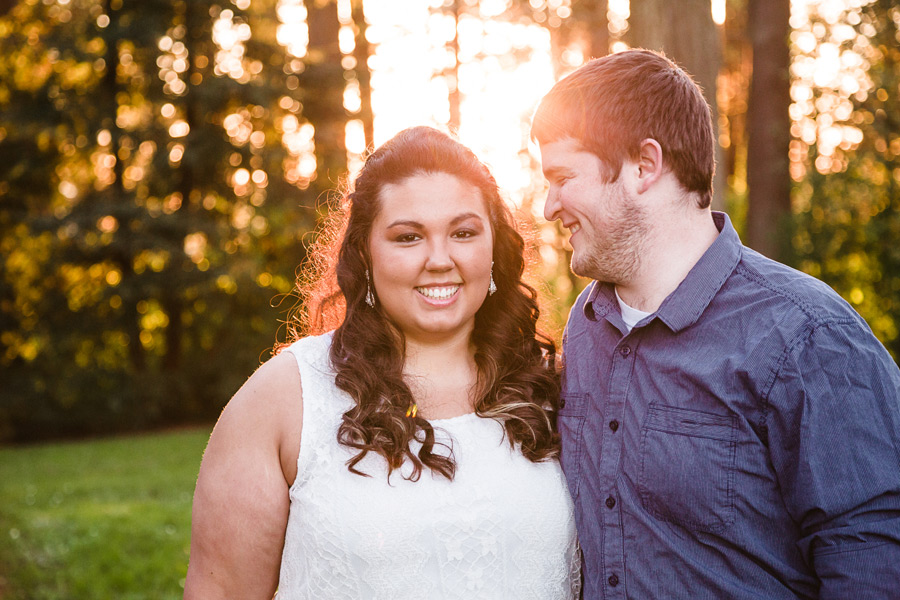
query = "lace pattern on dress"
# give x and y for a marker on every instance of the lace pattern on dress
(504, 528)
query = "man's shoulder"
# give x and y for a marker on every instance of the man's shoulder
(770, 287)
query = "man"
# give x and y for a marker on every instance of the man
(731, 427)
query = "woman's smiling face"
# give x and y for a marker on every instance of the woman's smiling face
(431, 247)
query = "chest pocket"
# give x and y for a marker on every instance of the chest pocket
(571, 428)
(687, 467)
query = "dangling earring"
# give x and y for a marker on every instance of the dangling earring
(493, 286)
(370, 297)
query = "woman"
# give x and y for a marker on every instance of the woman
(411, 452)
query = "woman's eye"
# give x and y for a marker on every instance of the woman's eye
(464, 234)
(407, 238)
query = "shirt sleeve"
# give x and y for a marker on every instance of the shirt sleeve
(833, 422)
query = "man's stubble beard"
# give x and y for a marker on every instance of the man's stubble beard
(615, 254)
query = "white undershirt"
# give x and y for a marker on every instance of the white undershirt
(630, 315)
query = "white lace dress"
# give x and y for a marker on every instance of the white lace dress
(503, 528)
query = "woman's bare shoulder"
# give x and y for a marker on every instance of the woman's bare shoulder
(241, 502)
(269, 406)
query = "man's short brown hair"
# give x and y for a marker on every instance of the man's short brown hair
(611, 104)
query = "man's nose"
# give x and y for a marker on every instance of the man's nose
(551, 205)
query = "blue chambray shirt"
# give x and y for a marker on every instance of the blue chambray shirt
(741, 442)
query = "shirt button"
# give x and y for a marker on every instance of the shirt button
(625, 351)
(613, 580)
(610, 502)
(614, 425)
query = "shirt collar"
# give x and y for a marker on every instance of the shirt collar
(684, 306)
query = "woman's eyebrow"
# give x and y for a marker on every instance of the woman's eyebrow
(417, 225)
(466, 216)
(407, 223)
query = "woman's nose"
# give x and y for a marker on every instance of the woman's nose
(439, 258)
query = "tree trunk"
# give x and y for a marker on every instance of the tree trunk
(117, 196)
(361, 53)
(172, 302)
(591, 16)
(737, 66)
(686, 33)
(769, 129)
(323, 96)
(455, 98)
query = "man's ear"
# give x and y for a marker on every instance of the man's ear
(650, 164)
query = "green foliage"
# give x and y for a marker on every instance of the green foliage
(147, 213)
(98, 519)
(849, 222)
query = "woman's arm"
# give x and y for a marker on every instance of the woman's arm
(241, 501)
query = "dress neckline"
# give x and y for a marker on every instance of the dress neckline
(457, 418)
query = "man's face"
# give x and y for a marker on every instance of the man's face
(608, 226)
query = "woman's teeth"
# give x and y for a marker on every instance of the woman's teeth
(438, 293)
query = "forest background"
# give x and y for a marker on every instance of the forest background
(164, 164)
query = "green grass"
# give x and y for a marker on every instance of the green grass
(98, 519)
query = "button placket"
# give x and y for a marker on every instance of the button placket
(612, 447)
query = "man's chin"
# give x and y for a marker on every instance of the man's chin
(595, 272)
(583, 270)
(584, 264)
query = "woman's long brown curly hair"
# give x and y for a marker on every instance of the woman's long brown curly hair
(517, 382)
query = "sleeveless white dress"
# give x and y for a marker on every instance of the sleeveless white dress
(503, 528)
